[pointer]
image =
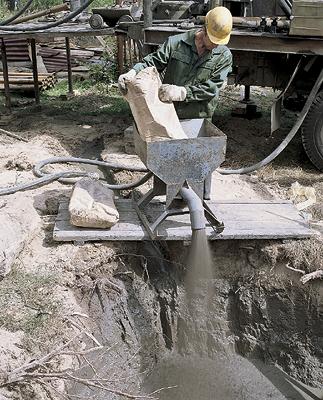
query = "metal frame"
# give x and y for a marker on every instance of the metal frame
(177, 207)
(248, 41)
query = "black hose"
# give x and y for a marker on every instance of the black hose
(284, 5)
(45, 180)
(49, 25)
(20, 12)
(59, 160)
(71, 176)
(286, 141)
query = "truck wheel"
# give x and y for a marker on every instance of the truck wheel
(312, 132)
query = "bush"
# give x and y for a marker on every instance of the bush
(105, 72)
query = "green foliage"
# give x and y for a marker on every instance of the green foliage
(102, 3)
(105, 72)
(4, 12)
(38, 5)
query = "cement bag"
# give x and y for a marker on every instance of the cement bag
(155, 120)
(92, 205)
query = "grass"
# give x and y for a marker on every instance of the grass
(306, 255)
(28, 304)
(89, 99)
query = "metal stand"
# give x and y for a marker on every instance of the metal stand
(5, 74)
(35, 70)
(248, 108)
(177, 207)
(69, 66)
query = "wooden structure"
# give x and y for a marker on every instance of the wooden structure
(65, 30)
(243, 220)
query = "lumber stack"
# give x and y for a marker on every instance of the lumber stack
(24, 81)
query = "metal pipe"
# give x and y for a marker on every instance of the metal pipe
(35, 69)
(49, 11)
(195, 207)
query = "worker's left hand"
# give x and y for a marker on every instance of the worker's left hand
(170, 93)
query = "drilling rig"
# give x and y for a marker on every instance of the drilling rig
(277, 44)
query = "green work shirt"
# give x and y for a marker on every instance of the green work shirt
(178, 61)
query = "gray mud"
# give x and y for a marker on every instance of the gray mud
(225, 377)
(250, 332)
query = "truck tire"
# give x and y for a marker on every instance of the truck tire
(312, 132)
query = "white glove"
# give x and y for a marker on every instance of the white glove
(170, 93)
(123, 78)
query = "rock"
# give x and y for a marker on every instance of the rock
(19, 223)
(155, 120)
(92, 205)
(11, 353)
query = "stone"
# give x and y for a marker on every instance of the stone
(18, 228)
(92, 205)
(155, 120)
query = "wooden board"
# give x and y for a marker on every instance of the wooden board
(242, 220)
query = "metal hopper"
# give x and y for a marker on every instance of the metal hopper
(176, 163)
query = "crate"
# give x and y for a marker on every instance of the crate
(307, 18)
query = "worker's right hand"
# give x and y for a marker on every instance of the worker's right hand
(123, 78)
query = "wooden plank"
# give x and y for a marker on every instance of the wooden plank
(260, 220)
(256, 212)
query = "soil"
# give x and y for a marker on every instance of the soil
(251, 331)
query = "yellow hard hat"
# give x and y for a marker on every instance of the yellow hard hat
(218, 22)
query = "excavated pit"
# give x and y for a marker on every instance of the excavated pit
(251, 331)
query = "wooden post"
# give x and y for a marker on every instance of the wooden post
(148, 13)
(120, 53)
(5, 74)
(69, 66)
(35, 70)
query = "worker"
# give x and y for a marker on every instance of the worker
(194, 66)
